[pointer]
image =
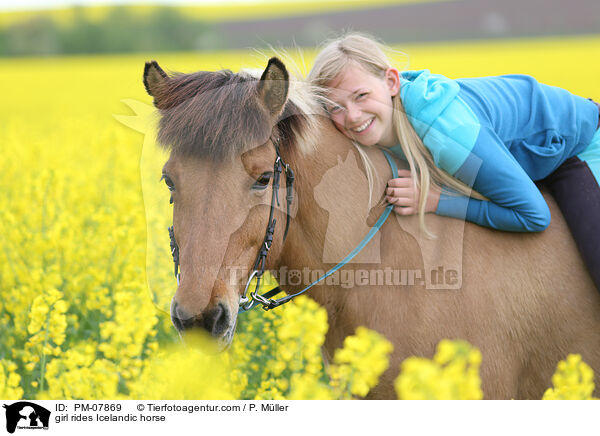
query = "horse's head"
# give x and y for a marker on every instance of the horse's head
(221, 128)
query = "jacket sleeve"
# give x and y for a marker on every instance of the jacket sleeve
(515, 203)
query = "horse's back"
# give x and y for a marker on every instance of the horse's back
(536, 288)
(524, 299)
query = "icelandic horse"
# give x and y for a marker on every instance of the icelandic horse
(525, 300)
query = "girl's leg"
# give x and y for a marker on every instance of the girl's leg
(576, 187)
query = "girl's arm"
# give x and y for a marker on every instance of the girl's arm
(515, 203)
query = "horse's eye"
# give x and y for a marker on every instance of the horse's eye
(263, 180)
(168, 182)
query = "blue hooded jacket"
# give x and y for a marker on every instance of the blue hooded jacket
(498, 135)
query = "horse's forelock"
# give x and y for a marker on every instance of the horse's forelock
(212, 115)
(218, 115)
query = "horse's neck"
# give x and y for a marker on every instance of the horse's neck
(333, 209)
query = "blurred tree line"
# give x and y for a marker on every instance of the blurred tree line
(120, 31)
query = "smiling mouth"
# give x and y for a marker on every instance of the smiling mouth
(363, 126)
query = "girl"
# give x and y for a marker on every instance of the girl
(495, 134)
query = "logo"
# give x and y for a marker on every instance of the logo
(26, 415)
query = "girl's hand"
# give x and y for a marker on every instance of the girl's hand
(401, 193)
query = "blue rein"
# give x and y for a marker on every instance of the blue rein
(274, 303)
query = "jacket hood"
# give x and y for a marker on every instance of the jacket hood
(425, 95)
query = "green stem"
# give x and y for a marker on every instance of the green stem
(43, 359)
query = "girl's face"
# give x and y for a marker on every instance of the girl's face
(362, 108)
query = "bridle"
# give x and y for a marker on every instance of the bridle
(259, 264)
(258, 269)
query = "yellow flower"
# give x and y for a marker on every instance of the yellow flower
(361, 362)
(9, 381)
(77, 375)
(453, 374)
(183, 373)
(573, 380)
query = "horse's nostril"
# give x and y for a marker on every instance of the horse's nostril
(216, 321)
(180, 319)
(176, 322)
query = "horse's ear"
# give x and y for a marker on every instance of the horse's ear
(273, 86)
(154, 79)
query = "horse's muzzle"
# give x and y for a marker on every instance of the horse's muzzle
(216, 320)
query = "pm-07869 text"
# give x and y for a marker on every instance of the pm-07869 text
(97, 407)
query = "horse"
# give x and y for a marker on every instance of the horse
(525, 300)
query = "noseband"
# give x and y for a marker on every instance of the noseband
(259, 264)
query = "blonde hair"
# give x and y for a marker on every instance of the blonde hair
(363, 49)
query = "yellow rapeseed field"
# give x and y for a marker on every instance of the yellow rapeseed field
(77, 317)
